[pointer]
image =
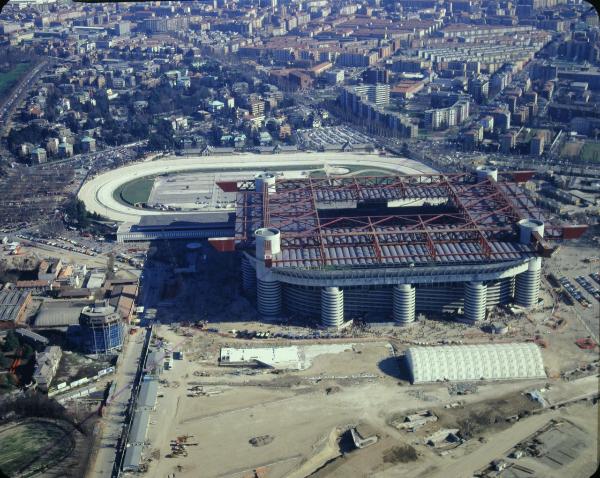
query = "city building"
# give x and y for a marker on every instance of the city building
(48, 269)
(13, 305)
(179, 226)
(46, 365)
(537, 145)
(366, 104)
(442, 118)
(378, 94)
(38, 155)
(334, 76)
(508, 142)
(374, 76)
(65, 150)
(88, 145)
(102, 328)
(479, 88)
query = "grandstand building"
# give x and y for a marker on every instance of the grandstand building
(339, 248)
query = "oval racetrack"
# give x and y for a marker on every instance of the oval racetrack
(98, 193)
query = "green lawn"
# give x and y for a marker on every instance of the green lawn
(591, 152)
(33, 445)
(10, 78)
(136, 191)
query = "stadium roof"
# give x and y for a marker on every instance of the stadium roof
(426, 219)
(475, 362)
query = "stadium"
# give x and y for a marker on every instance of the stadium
(339, 248)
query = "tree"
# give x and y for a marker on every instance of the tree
(159, 141)
(11, 342)
(7, 381)
(27, 351)
(110, 266)
(75, 210)
(215, 133)
(72, 123)
(4, 361)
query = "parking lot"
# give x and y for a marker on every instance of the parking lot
(318, 138)
(573, 292)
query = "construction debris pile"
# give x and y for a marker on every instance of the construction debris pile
(261, 440)
(179, 446)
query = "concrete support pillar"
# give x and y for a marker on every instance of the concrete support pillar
(527, 286)
(475, 301)
(248, 275)
(404, 304)
(268, 295)
(332, 307)
(268, 288)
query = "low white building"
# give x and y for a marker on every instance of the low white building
(275, 357)
(461, 363)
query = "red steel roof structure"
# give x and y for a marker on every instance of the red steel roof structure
(388, 221)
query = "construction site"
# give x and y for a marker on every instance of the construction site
(287, 394)
(254, 349)
(298, 408)
(352, 325)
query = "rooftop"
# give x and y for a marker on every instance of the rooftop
(389, 221)
(59, 313)
(184, 221)
(12, 302)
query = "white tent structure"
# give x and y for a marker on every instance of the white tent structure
(460, 363)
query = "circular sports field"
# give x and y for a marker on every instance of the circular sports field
(29, 447)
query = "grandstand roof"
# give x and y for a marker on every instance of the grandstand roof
(475, 362)
(391, 221)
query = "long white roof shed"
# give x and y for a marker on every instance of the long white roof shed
(460, 363)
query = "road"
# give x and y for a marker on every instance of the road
(503, 441)
(495, 448)
(9, 105)
(100, 261)
(114, 418)
(93, 159)
(97, 194)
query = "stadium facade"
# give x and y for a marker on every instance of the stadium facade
(338, 248)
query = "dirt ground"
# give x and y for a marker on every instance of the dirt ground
(304, 413)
